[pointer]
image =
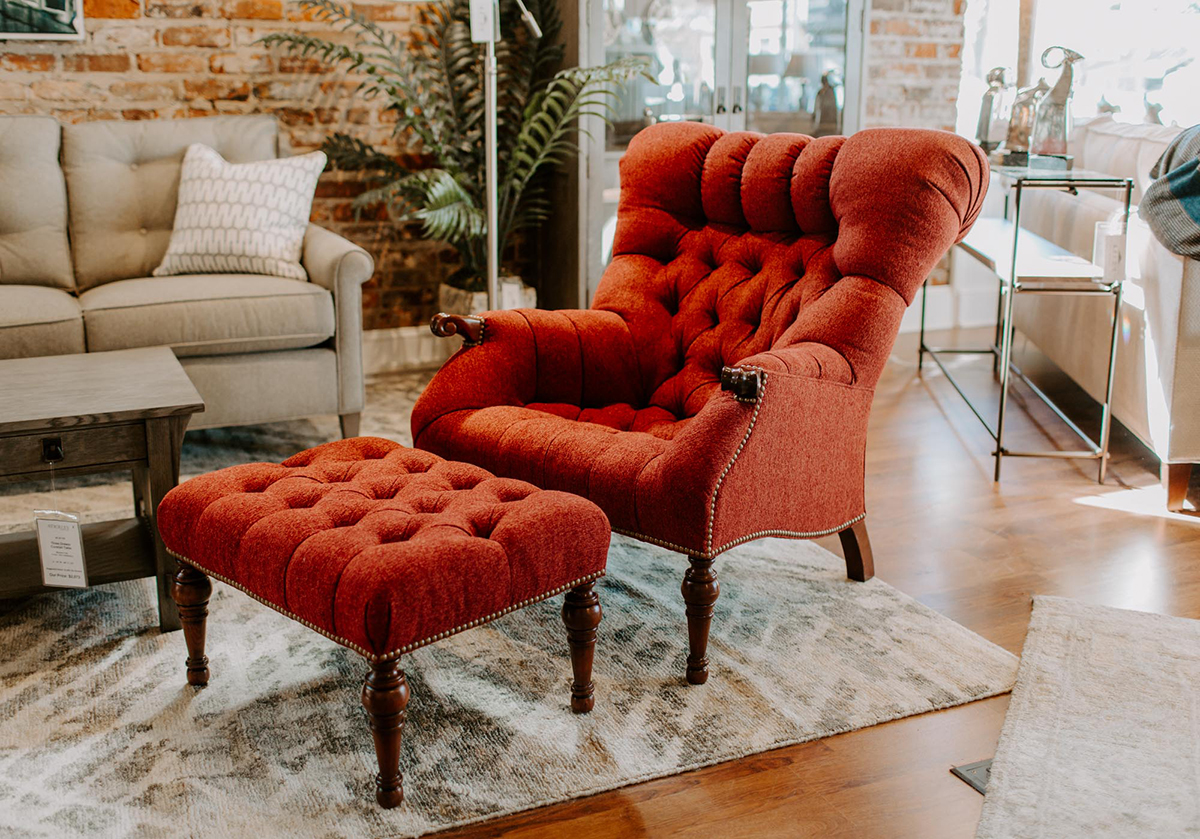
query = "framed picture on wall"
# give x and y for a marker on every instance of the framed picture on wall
(41, 20)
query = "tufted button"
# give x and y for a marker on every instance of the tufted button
(133, 166)
(143, 231)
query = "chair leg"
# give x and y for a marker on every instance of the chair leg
(385, 697)
(350, 424)
(856, 548)
(581, 614)
(1175, 478)
(700, 592)
(191, 590)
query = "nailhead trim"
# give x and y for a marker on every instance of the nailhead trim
(790, 534)
(482, 335)
(712, 507)
(372, 657)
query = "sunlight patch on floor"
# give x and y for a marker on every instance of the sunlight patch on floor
(1142, 501)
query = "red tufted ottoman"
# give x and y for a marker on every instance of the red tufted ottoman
(384, 549)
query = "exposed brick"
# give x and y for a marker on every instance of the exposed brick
(13, 90)
(253, 9)
(176, 9)
(139, 113)
(921, 50)
(217, 88)
(27, 62)
(194, 36)
(381, 12)
(118, 9)
(171, 62)
(115, 63)
(247, 63)
(147, 91)
(301, 64)
(57, 90)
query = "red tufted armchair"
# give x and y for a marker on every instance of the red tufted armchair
(719, 387)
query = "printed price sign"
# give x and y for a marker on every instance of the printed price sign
(60, 546)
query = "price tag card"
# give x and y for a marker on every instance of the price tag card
(60, 547)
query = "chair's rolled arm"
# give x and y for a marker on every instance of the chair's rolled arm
(742, 381)
(470, 327)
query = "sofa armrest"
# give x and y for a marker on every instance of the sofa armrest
(580, 357)
(342, 267)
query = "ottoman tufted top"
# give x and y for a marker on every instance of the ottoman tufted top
(380, 547)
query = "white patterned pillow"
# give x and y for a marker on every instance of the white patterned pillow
(241, 218)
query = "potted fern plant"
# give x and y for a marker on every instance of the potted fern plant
(433, 82)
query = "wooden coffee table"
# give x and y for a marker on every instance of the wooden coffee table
(97, 412)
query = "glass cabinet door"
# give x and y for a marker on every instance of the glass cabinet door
(796, 66)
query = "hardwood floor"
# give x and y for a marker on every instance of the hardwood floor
(944, 533)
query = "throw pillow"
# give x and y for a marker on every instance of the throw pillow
(241, 218)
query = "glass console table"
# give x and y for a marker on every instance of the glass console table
(1025, 263)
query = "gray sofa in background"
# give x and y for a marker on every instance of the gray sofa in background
(86, 212)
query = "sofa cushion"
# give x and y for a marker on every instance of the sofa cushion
(36, 320)
(207, 314)
(33, 204)
(1122, 149)
(124, 179)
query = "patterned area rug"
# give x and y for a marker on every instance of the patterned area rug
(99, 733)
(1102, 738)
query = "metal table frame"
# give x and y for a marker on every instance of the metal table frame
(1001, 347)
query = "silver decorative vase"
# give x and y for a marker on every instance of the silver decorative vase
(1053, 121)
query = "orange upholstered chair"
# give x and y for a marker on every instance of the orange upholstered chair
(719, 387)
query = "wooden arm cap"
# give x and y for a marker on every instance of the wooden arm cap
(470, 327)
(742, 381)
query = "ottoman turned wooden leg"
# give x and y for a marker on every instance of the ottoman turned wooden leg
(581, 614)
(385, 696)
(191, 590)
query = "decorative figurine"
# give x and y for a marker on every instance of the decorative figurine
(1020, 124)
(993, 112)
(827, 117)
(1053, 120)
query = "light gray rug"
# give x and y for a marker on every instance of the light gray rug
(99, 733)
(1102, 738)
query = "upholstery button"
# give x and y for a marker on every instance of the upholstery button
(132, 165)
(143, 231)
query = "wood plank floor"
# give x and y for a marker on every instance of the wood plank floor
(943, 532)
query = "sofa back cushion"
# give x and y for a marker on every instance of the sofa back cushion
(1122, 149)
(123, 179)
(34, 249)
(731, 244)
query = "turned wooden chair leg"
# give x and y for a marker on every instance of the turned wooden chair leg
(581, 614)
(385, 696)
(350, 424)
(1175, 478)
(191, 590)
(856, 548)
(700, 592)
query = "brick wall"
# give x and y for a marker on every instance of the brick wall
(147, 59)
(914, 61)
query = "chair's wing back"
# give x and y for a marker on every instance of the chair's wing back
(731, 244)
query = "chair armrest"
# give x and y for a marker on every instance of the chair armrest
(788, 462)
(342, 267)
(576, 357)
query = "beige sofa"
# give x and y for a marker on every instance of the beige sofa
(86, 212)
(1157, 384)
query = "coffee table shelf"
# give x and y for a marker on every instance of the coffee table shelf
(97, 412)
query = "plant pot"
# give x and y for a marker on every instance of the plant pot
(514, 294)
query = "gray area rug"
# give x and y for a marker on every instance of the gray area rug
(99, 734)
(1102, 737)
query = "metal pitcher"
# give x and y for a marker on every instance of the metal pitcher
(1053, 120)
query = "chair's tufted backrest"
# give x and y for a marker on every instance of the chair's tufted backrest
(733, 244)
